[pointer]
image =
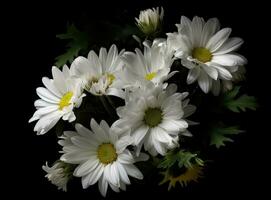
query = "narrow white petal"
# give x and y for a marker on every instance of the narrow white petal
(230, 45)
(59, 80)
(212, 72)
(125, 157)
(114, 174)
(229, 59)
(86, 167)
(139, 134)
(51, 87)
(193, 75)
(46, 95)
(218, 39)
(133, 171)
(210, 27)
(123, 174)
(223, 73)
(204, 82)
(103, 185)
(96, 174)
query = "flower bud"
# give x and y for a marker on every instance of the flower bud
(150, 21)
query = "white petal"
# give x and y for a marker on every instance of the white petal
(76, 157)
(95, 62)
(193, 75)
(45, 110)
(196, 28)
(229, 60)
(86, 167)
(139, 134)
(47, 122)
(218, 39)
(112, 54)
(46, 95)
(133, 171)
(122, 143)
(99, 132)
(204, 82)
(161, 135)
(212, 72)
(95, 174)
(223, 73)
(59, 80)
(142, 157)
(123, 174)
(82, 66)
(114, 174)
(51, 87)
(41, 103)
(102, 58)
(103, 185)
(189, 110)
(125, 157)
(210, 27)
(66, 71)
(230, 45)
(173, 125)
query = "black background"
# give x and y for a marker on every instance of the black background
(239, 169)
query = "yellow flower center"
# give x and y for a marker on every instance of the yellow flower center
(153, 116)
(202, 54)
(111, 78)
(150, 76)
(65, 100)
(107, 153)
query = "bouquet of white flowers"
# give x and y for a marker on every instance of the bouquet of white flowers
(116, 111)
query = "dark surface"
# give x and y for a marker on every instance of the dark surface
(239, 169)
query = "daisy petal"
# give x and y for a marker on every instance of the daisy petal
(230, 45)
(193, 75)
(218, 39)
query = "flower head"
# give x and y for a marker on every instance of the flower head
(150, 20)
(153, 65)
(101, 154)
(58, 99)
(155, 117)
(98, 73)
(206, 51)
(59, 174)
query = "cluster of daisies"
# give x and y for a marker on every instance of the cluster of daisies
(153, 116)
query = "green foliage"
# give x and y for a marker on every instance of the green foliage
(236, 103)
(78, 41)
(180, 157)
(219, 134)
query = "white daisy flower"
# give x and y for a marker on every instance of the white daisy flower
(151, 66)
(150, 20)
(58, 174)
(102, 156)
(98, 74)
(206, 51)
(155, 117)
(58, 99)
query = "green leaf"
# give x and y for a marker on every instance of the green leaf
(219, 135)
(241, 103)
(180, 157)
(169, 160)
(78, 41)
